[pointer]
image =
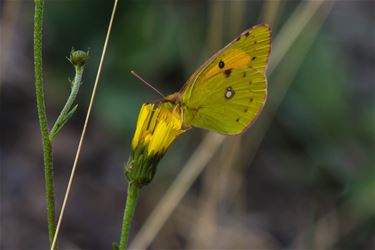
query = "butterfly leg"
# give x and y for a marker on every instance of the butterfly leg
(188, 128)
(182, 116)
(181, 113)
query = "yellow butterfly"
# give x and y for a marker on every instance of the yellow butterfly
(227, 93)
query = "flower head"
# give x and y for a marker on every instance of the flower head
(157, 127)
(79, 57)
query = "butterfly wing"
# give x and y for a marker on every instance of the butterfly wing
(228, 92)
(228, 106)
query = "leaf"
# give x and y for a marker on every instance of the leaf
(64, 121)
(115, 246)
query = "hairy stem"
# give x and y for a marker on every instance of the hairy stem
(131, 202)
(47, 148)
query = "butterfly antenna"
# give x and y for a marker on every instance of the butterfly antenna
(146, 83)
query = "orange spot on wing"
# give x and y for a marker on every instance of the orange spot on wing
(233, 58)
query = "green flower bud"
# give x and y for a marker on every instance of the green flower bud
(78, 57)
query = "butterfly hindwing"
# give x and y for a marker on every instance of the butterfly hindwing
(227, 106)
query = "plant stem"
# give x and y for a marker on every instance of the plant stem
(131, 202)
(60, 121)
(47, 148)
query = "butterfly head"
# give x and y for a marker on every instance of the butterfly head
(175, 99)
(174, 103)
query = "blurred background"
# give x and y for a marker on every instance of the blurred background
(303, 177)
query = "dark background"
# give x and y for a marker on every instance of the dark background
(302, 178)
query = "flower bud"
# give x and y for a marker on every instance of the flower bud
(79, 57)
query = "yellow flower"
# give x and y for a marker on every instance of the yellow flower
(157, 127)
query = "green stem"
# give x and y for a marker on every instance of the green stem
(47, 148)
(60, 121)
(131, 202)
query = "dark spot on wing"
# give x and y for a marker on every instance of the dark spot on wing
(229, 93)
(244, 74)
(238, 38)
(254, 57)
(238, 119)
(250, 82)
(247, 33)
(227, 72)
(251, 99)
(245, 110)
(221, 64)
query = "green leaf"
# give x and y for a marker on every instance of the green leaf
(64, 121)
(115, 246)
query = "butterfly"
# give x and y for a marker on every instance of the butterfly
(228, 92)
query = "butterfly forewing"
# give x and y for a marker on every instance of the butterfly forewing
(228, 92)
(251, 49)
